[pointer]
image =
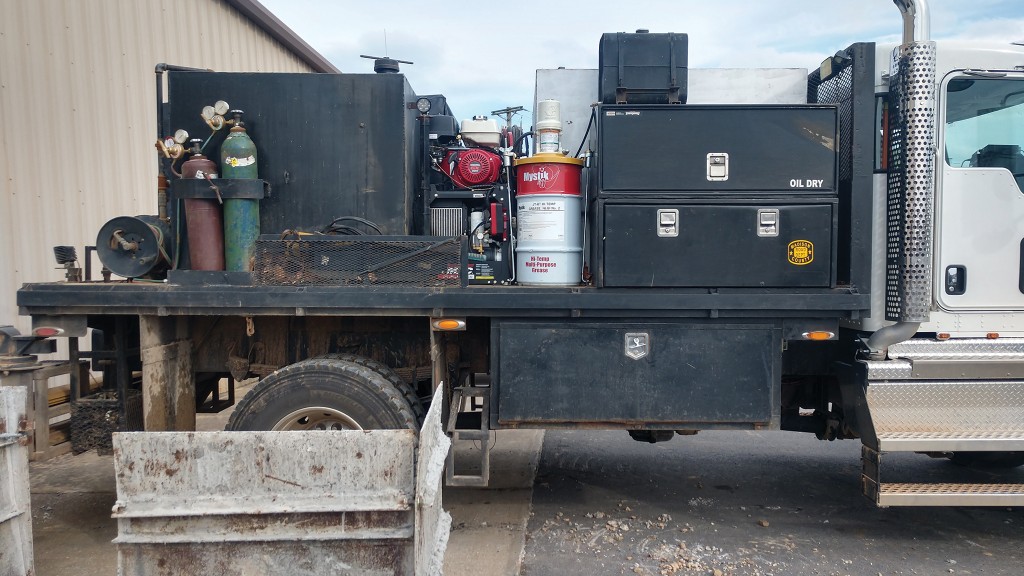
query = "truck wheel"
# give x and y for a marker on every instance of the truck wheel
(324, 394)
(988, 460)
(406, 389)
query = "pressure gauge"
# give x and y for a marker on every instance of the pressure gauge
(181, 136)
(208, 113)
(423, 105)
(221, 107)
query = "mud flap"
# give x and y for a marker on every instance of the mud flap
(433, 524)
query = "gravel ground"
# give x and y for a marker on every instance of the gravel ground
(749, 503)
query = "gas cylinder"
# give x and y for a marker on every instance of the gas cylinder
(203, 217)
(241, 215)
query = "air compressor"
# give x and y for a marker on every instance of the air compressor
(468, 190)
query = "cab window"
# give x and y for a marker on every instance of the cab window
(985, 124)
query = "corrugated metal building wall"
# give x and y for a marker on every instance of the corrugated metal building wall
(78, 114)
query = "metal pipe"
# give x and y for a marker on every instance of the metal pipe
(915, 12)
(879, 342)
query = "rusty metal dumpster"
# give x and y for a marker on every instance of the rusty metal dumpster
(15, 517)
(295, 503)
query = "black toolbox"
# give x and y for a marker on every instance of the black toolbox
(702, 196)
(745, 243)
(673, 149)
(643, 68)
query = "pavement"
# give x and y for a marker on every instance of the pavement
(751, 503)
(491, 523)
(72, 497)
(591, 502)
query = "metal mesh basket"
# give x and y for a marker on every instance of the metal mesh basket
(94, 418)
(838, 90)
(360, 260)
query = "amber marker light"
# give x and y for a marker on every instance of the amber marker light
(992, 335)
(942, 336)
(448, 324)
(819, 335)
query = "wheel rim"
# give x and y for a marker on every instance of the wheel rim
(317, 418)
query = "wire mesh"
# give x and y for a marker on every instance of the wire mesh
(94, 418)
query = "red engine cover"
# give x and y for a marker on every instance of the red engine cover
(472, 167)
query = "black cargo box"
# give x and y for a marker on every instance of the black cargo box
(643, 68)
(671, 150)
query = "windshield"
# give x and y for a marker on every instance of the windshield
(985, 123)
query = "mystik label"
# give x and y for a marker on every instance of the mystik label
(542, 176)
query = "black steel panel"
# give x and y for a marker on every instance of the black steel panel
(329, 145)
(665, 149)
(693, 373)
(717, 246)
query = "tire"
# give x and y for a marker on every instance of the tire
(324, 393)
(406, 389)
(988, 460)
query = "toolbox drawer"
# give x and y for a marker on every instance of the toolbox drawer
(718, 245)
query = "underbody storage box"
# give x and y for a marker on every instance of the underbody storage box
(626, 374)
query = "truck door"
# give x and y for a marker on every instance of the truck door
(980, 200)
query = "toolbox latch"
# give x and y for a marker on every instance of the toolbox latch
(668, 222)
(767, 222)
(718, 166)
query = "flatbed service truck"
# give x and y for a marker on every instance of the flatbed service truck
(666, 251)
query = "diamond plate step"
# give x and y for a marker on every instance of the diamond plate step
(964, 349)
(950, 495)
(947, 416)
(931, 494)
(964, 359)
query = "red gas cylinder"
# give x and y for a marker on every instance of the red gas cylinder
(203, 218)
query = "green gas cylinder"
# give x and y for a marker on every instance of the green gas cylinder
(241, 215)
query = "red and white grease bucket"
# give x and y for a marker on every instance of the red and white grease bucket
(549, 217)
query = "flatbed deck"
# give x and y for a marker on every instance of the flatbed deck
(168, 299)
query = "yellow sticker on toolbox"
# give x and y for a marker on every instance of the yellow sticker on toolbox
(801, 252)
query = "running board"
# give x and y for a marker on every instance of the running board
(910, 404)
(470, 425)
(939, 494)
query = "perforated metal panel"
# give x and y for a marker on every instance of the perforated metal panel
(910, 184)
(366, 260)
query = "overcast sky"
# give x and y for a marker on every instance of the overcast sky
(482, 55)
